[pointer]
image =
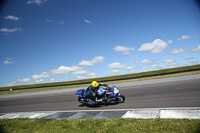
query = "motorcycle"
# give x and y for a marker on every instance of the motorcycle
(103, 96)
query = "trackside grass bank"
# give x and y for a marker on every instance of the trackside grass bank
(181, 71)
(99, 126)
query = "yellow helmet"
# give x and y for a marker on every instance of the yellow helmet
(94, 84)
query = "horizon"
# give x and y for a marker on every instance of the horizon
(45, 41)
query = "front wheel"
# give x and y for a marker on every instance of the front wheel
(81, 100)
(121, 98)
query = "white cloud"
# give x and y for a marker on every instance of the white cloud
(42, 75)
(157, 46)
(52, 80)
(10, 84)
(169, 42)
(190, 58)
(5, 30)
(65, 70)
(48, 20)
(170, 63)
(134, 57)
(116, 65)
(184, 37)
(129, 68)
(39, 80)
(24, 80)
(177, 51)
(87, 21)
(95, 60)
(98, 59)
(38, 2)
(153, 67)
(114, 72)
(124, 50)
(81, 72)
(12, 18)
(91, 75)
(7, 62)
(86, 63)
(197, 49)
(147, 61)
(81, 77)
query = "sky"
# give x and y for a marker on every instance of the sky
(44, 41)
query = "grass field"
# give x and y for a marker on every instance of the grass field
(181, 71)
(99, 126)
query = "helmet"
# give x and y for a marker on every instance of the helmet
(94, 84)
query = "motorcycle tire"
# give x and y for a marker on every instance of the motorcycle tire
(121, 98)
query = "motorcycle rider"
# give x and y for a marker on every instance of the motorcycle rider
(94, 87)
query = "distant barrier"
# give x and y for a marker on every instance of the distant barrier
(117, 79)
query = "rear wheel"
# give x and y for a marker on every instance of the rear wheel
(121, 98)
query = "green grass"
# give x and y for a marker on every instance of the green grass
(99, 126)
(119, 79)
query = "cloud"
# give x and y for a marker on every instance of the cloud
(185, 37)
(65, 70)
(52, 80)
(38, 2)
(147, 61)
(5, 30)
(113, 72)
(124, 50)
(153, 67)
(157, 46)
(197, 49)
(150, 62)
(86, 63)
(129, 68)
(81, 72)
(95, 60)
(170, 63)
(116, 65)
(48, 20)
(10, 84)
(169, 41)
(87, 21)
(7, 62)
(24, 80)
(12, 18)
(39, 80)
(74, 70)
(80, 77)
(190, 58)
(42, 75)
(177, 51)
(134, 57)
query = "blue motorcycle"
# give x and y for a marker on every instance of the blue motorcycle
(101, 96)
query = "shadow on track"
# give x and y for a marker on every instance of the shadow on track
(98, 106)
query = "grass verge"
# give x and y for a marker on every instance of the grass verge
(99, 126)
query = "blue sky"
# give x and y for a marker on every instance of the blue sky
(44, 41)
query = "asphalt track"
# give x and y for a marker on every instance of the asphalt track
(164, 93)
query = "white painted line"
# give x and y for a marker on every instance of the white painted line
(15, 116)
(37, 115)
(180, 114)
(144, 114)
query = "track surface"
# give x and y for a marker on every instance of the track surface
(182, 93)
